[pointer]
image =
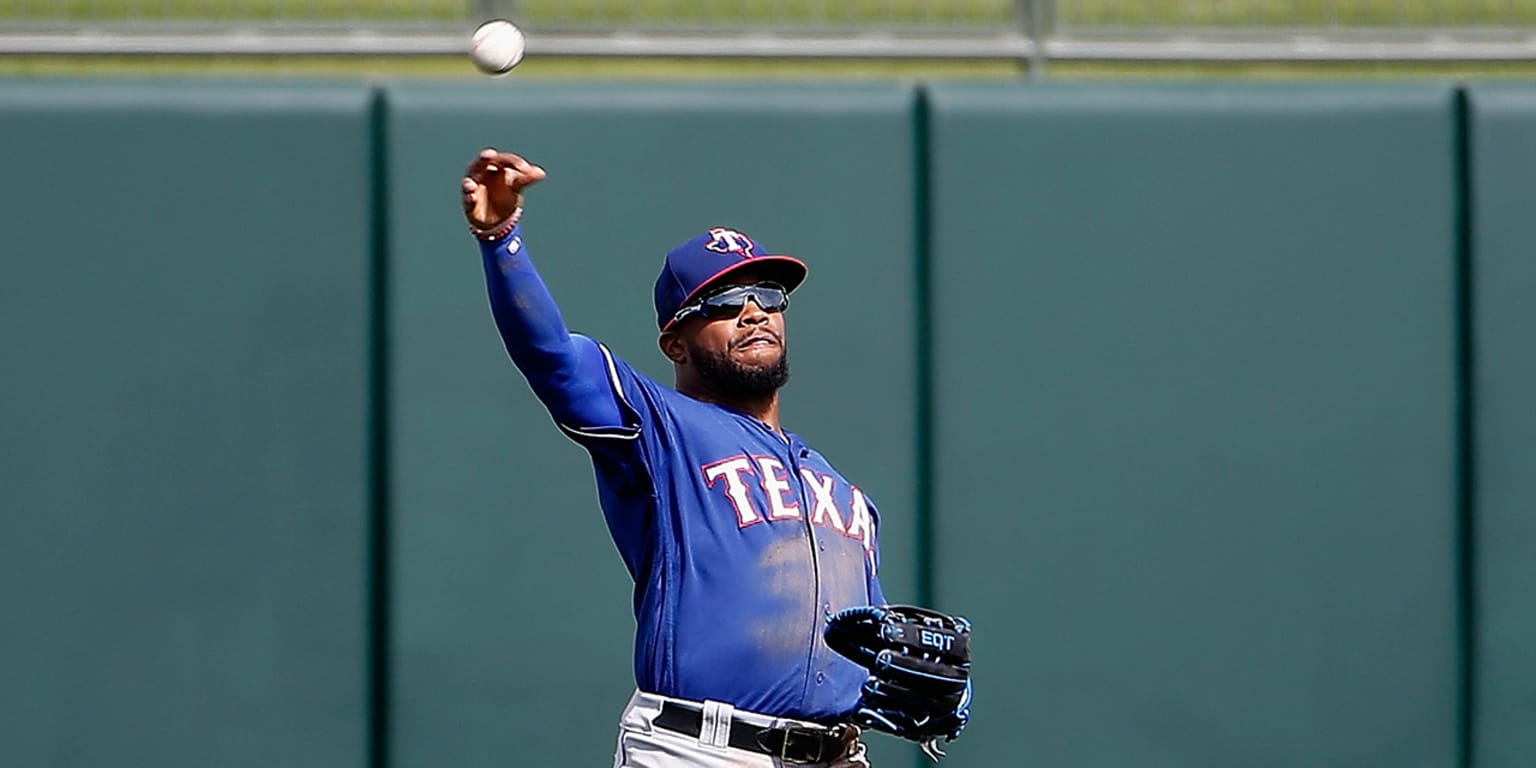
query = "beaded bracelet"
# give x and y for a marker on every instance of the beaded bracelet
(501, 229)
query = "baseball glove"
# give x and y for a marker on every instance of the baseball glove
(919, 663)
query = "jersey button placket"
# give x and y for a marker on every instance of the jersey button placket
(795, 453)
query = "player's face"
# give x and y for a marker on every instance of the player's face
(740, 355)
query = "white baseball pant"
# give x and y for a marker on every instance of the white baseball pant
(643, 744)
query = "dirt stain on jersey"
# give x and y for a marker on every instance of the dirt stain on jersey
(844, 571)
(786, 569)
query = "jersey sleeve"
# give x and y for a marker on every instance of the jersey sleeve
(569, 373)
(621, 387)
(622, 455)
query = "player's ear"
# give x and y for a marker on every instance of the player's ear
(671, 343)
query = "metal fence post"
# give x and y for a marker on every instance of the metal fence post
(1033, 17)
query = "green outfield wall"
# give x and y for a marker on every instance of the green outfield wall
(1207, 403)
(1215, 442)
(184, 484)
(1503, 431)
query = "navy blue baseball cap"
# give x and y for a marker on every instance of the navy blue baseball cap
(711, 257)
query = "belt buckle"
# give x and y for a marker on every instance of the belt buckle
(819, 736)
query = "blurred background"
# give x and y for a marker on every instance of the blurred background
(1083, 36)
(1183, 344)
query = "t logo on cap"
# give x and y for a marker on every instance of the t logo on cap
(708, 259)
(730, 241)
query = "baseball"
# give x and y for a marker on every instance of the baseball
(497, 47)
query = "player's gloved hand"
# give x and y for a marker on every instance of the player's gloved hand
(919, 662)
(492, 190)
(916, 701)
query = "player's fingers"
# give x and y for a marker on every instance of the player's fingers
(524, 172)
(532, 175)
(476, 200)
(491, 184)
(855, 753)
(477, 168)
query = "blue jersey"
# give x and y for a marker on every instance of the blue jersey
(741, 541)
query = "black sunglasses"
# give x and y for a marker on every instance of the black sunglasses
(728, 301)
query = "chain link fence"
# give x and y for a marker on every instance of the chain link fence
(1036, 30)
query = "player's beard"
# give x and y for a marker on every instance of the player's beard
(728, 378)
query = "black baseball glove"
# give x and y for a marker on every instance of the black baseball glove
(919, 663)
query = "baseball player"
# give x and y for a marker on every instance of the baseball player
(741, 539)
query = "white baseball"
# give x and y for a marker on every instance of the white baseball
(497, 47)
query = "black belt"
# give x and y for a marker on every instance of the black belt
(800, 746)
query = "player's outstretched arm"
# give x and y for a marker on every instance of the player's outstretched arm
(568, 373)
